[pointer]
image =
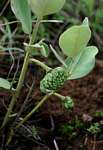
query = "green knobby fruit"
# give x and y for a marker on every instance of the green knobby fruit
(68, 103)
(53, 80)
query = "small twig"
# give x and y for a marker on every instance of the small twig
(33, 110)
(55, 144)
(58, 57)
(34, 21)
(4, 104)
(12, 57)
(26, 100)
(13, 63)
(14, 48)
(18, 64)
(86, 140)
(52, 123)
(94, 143)
(4, 8)
(100, 141)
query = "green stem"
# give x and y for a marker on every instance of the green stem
(39, 63)
(58, 57)
(33, 110)
(59, 96)
(22, 75)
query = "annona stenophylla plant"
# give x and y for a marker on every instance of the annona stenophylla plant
(80, 60)
(73, 43)
(22, 10)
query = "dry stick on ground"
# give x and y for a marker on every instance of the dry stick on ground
(55, 144)
(94, 143)
(86, 139)
(25, 103)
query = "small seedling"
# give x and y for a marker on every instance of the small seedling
(34, 132)
(80, 58)
(94, 129)
(70, 129)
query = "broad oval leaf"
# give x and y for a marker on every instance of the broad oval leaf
(74, 39)
(83, 63)
(5, 84)
(22, 11)
(45, 7)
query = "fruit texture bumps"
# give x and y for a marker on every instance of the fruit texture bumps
(53, 80)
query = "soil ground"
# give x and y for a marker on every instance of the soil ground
(87, 94)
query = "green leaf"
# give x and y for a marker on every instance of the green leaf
(44, 49)
(45, 7)
(22, 11)
(83, 63)
(74, 39)
(68, 63)
(39, 48)
(4, 84)
(85, 21)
